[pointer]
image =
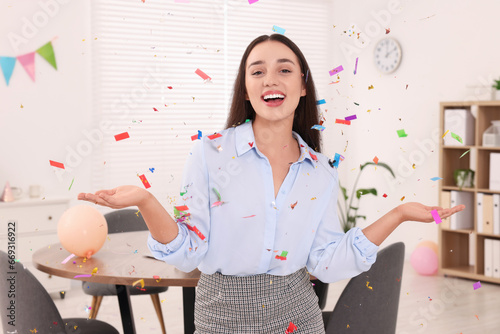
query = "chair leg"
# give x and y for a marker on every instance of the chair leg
(96, 303)
(156, 302)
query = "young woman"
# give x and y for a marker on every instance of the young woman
(260, 206)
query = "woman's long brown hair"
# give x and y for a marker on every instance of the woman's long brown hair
(306, 113)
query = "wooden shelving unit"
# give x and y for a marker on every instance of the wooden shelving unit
(455, 246)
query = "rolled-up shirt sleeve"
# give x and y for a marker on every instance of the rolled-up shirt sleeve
(190, 245)
(336, 255)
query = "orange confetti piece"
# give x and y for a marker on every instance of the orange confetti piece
(122, 136)
(56, 164)
(293, 205)
(402, 198)
(375, 160)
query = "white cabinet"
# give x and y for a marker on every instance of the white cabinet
(36, 227)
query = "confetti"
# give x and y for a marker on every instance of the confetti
(252, 1)
(152, 170)
(68, 258)
(283, 255)
(336, 160)
(293, 205)
(402, 133)
(350, 118)
(375, 160)
(464, 154)
(356, 66)
(476, 285)
(78, 276)
(195, 230)
(182, 1)
(387, 30)
(251, 144)
(141, 281)
(343, 121)
(71, 184)
(279, 30)
(315, 158)
(436, 178)
(215, 135)
(202, 74)
(94, 271)
(197, 136)
(291, 328)
(370, 87)
(368, 285)
(384, 195)
(155, 109)
(307, 75)
(144, 181)
(122, 136)
(457, 137)
(56, 164)
(318, 127)
(402, 198)
(322, 101)
(249, 216)
(436, 217)
(336, 70)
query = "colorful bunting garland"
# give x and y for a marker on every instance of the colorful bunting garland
(28, 61)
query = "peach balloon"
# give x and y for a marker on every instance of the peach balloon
(82, 230)
(431, 244)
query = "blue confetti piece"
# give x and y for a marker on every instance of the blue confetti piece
(152, 170)
(436, 178)
(318, 127)
(320, 102)
(279, 30)
(199, 134)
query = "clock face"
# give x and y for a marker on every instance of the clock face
(387, 55)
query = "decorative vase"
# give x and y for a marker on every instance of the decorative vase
(495, 94)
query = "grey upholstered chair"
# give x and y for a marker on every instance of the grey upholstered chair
(34, 308)
(124, 220)
(369, 302)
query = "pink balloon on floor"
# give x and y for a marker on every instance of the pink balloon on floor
(424, 260)
(82, 230)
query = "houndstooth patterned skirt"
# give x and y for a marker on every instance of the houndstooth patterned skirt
(259, 304)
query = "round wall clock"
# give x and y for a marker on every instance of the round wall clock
(387, 55)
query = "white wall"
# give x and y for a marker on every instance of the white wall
(57, 106)
(447, 46)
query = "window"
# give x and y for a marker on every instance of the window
(144, 83)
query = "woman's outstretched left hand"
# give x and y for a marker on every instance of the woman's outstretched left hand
(414, 211)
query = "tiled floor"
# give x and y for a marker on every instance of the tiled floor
(427, 305)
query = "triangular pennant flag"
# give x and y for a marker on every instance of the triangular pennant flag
(47, 52)
(28, 62)
(7, 64)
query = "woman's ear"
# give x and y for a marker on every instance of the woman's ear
(303, 92)
(246, 97)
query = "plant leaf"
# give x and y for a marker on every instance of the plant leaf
(344, 191)
(381, 164)
(358, 216)
(361, 192)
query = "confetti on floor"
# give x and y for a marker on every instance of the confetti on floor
(476, 285)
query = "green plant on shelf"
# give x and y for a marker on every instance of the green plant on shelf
(496, 85)
(348, 214)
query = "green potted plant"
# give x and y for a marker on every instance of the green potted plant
(348, 212)
(496, 90)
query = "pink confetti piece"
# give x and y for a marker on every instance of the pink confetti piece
(336, 70)
(356, 67)
(476, 285)
(252, 1)
(202, 74)
(86, 275)
(68, 258)
(436, 217)
(350, 118)
(218, 203)
(249, 216)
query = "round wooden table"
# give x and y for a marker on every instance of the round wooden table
(124, 259)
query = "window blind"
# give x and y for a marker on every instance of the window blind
(144, 59)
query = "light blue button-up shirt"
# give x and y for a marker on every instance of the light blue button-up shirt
(247, 231)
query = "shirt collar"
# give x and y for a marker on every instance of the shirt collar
(245, 141)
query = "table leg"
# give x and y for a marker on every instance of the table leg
(188, 295)
(125, 309)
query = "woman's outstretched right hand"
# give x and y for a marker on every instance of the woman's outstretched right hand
(117, 198)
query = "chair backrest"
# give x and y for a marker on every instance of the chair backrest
(125, 220)
(26, 300)
(369, 302)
